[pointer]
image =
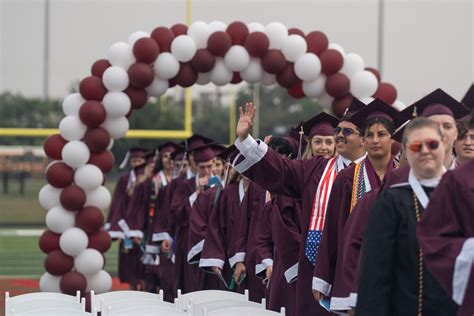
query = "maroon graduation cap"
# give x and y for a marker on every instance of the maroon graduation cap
(322, 124)
(376, 108)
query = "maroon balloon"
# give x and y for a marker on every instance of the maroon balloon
(141, 75)
(92, 114)
(58, 263)
(375, 72)
(338, 85)
(186, 76)
(273, 62)
(296, 31)
(238, 32)
(339, 106)
(72, 198)
(73, 281)
(297, 91)
(92, 88)
(317, 42)
(146, 50)
(97, 139)
(104, 160)
(59, 175)
(53, 146)
(287, 78)
(163, 36)
(236, 78)
(179, 29)
(49, 241)
(100, 240)
(331, 61)
(257, 44)
(386, 92)
(172, 82)
(219, 43)
(90, 219)
(138, 97)
(99, 67)
(203, 60)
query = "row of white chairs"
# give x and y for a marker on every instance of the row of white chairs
(121, 303)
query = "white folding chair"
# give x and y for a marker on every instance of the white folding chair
(147, 311)
(208, 296)
(243, 311)
(100, 301)
(125, 304)
(42, 300)
(198, 309)
(54, 312)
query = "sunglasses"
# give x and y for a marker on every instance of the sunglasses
(416, 146)
(346, 131)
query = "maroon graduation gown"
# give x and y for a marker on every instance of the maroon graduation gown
(297, 179)
(446, 235)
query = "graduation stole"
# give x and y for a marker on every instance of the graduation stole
(361, 183)
(318, 212)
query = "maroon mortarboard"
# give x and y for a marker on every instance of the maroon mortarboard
(134, 152)
(376, 108)
(196, 141)
(355, 106)
(218, 149)
(468, 99)
(150, 156)
(229, 153)
(398, 134)
(204, 153)
(295, 131)
(322, 124)
(438, 102)
(178, 153)
(167, 147)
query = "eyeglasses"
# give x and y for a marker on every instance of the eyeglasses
(431, 144)
(346, 131)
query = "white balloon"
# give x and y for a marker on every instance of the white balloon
(183, 48)
(88, 177)
(73, 241)
(326, 100)
(136, 36)
(337, 47)
(115, 78)
(49, 197)
(220, 74)
(366, 100)
(72, 103)
(121, 54)
(71, 128)
(277, 34)
(117, 127)
(254, 71)
(237, 58)
(199, 31)
(399, 105)
(58, 219)
(294, 46)
(158, 87)
(203, 78)
(308, 67)
(216, 26)
(166, 66)
(89, 262)
(363, 84)
(255, 27)
(101, 282)
(99, 198)
(268, 79)
(116, 104)
(75, 154)
(314, 88)
(49, 283)
(353, 63)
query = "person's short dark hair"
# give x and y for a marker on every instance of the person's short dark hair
(419, 123)
(281, 146)
(471, 121)
(462, 129)
(389, 125)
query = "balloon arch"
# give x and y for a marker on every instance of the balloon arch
(148, 65)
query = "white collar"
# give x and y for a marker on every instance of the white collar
(416, 184)
(453, 164)
(241, 190)
(189, 174)
(163, 180)
(343, 162)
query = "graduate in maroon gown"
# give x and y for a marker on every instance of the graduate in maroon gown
(376, 122)
(187, 276)
(297, 179)
(393, 278)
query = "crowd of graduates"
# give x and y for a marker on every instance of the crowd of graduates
(368, 214)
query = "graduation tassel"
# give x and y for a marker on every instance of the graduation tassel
(125, 160)
(226, 174)
(300, 145)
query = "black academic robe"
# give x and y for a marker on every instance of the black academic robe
(389, 270)
(446, 235)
